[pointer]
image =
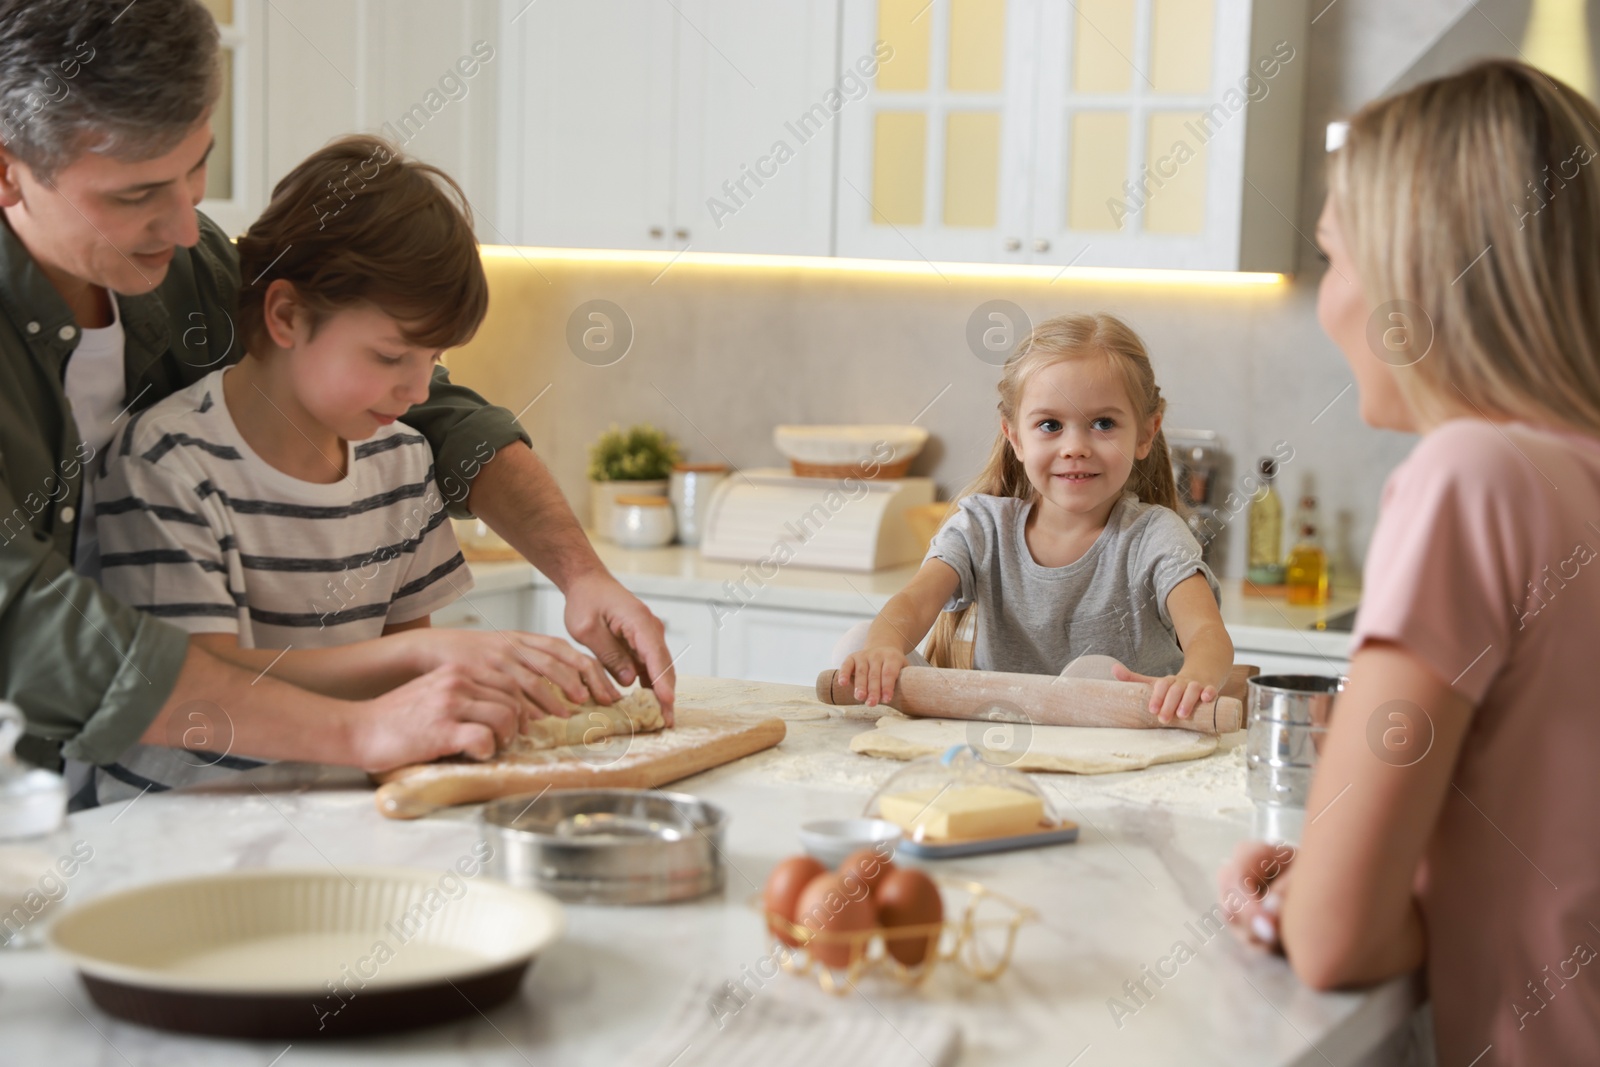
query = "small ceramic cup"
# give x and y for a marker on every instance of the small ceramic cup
(642, 522)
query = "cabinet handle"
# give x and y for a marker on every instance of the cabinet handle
(1013, 244)
(1041, 245)
(681, 234)
(656, 232)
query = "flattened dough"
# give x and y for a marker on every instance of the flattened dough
(637, 712)
(1074, 749)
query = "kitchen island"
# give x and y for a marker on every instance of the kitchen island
(1112, 906)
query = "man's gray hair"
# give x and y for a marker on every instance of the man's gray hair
(129, 80)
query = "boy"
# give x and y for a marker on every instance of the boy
(275, 509)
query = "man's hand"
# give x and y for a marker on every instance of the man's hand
(442, 713)
(515, 494)
(622, 633)
(515, 664)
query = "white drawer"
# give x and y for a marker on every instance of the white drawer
(690, 632)
(775, 645)
(1278, 663)
(486, 611)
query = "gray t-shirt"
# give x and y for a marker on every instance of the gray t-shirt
(1113, 601)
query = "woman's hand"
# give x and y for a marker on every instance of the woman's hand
(1251, 887)
(520, 666)
(874, 672)
(1173, 695)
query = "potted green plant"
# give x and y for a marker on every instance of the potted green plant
(634, 461)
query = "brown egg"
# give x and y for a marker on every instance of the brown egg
(783, 888)
(831, 904)
(907, 897)
(867, 864)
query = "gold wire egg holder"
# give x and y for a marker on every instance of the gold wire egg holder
(953, 942)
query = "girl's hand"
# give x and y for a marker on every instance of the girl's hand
(1251, 888)
(1172, 696)
(521, 666)
(874, 672)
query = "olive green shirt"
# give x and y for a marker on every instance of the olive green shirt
(90, 672)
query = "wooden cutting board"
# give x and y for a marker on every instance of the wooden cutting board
(700, 740)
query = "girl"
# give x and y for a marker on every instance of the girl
(1066, 545)
(1453, 806)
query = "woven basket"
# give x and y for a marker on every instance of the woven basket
(849, 470)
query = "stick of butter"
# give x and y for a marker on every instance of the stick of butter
(943, 814)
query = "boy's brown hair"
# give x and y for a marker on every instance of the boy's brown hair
(358, 222)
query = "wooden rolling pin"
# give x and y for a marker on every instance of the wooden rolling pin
(942, 693)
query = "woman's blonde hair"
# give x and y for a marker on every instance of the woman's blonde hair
(1474, 200)
(1054, 341)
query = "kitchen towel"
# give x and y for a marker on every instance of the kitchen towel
(719, 1024)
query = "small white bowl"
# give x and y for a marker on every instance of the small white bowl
(831, 840)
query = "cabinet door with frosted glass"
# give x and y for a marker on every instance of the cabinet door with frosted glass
(935, 151)
(1168, 133)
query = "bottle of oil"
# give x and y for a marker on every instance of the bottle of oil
(1307, 571)
(1265, 566)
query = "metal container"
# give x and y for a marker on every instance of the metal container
(607, 846)
(1284, 743)
(690, 488)
(1298, 698)
(1278, 783)
(1288, 717)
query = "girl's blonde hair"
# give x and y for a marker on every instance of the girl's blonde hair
(1474, 199)
(1054, 341)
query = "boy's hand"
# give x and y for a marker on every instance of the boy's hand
(519, 666)
(1173, 695)
(442, 713)
(874, 672)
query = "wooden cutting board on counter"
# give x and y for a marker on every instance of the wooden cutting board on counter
(700, 741)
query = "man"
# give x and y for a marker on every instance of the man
(114, 293)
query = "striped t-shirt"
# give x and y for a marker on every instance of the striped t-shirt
(197, 529)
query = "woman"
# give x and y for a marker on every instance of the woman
(1452, 818)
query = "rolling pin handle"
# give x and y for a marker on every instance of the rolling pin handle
(1229, 714)
(825, 686)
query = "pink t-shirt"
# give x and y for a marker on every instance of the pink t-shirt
(1485, 564)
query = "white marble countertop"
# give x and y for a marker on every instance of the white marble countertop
(1266, 624)
(1137, 880)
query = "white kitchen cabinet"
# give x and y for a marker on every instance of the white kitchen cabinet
(303, 72)
(669, 126)
(690, 630)
(586, 117)
(780, 645)
(1278, 663)
(1104, 133)
(510, 609)
(754, 167)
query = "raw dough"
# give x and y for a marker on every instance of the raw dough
(1076, 749)
(636, 713)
